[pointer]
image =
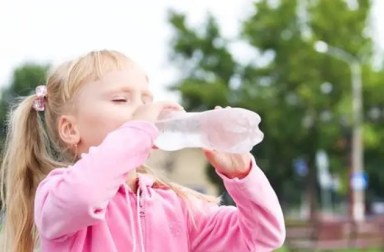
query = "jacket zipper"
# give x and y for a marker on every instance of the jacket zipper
(142, 222)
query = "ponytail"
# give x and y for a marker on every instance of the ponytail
(26, 161)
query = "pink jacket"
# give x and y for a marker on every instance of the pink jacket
(88, 207)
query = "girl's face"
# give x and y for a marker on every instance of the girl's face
(105, 104)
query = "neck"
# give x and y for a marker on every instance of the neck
(132, 180)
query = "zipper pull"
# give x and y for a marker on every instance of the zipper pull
(141, 206)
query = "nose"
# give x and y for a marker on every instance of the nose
(137, 101)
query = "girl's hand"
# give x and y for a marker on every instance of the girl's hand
(231, 165)
(151, 111)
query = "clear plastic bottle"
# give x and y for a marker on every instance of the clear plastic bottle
(232, 130)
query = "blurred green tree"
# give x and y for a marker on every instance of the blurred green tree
(303, 97)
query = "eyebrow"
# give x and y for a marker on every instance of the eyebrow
(123, 89)
(117, 90)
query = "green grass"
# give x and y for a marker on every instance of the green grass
(284, 249)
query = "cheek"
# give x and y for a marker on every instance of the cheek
(96, 125)
(92, 129)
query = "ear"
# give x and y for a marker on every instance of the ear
(68, 130)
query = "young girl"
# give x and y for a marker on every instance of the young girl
(74, 177)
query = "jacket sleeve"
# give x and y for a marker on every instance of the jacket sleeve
(256, 224)
(70, 199)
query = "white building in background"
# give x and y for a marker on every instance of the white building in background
(186, 167)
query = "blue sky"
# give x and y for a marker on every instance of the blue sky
(52, 31)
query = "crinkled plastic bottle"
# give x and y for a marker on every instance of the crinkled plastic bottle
(231, 130)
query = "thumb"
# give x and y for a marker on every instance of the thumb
(208, 152)
(211, 155)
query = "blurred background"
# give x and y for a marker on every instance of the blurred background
(312, 69)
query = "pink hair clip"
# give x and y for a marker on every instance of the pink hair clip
(39, 102)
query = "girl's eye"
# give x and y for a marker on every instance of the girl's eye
(120, 99)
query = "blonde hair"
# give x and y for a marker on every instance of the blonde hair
(33, 147)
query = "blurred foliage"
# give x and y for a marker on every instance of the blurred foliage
(303, 97)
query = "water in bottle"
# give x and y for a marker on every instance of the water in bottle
(232, 130)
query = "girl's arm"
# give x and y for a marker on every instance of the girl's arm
(257, 224)
(73, 198)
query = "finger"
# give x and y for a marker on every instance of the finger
(207, 151)
(165, 107)
(218, 107)
(212, 157)
(210, 154)
(171, 105)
